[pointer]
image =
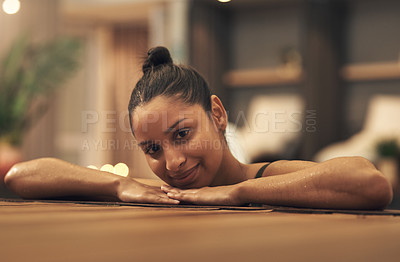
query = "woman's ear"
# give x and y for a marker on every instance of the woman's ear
(218, 113)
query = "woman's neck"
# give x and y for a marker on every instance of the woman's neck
(231, 171)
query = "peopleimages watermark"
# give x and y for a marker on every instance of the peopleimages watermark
(283, 121)
(311, 121)
(278, 121)
(131, 144)
(108, 144)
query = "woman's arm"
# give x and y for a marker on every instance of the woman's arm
(53, 178)
(340, 183)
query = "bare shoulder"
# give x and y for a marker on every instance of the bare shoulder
(275, 168)
(287, 166)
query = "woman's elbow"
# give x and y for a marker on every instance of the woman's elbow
(14, 175)
(376, 189)
(19, 177)
(379, 190)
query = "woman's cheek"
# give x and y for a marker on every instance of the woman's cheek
(156, 166)
(192, 148)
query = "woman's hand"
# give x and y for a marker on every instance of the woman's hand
(221, 195)
(132, 191)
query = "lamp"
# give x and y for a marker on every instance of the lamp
(11, 6)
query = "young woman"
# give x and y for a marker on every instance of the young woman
(180, 127)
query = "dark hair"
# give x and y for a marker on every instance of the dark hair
(162, 77)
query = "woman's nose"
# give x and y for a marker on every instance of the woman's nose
(174, 159)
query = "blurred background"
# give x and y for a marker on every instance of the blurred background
(300, 79)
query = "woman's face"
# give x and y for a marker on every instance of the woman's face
(182, 144)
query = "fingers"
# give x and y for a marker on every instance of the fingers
(162, 198)
(150, 196)
(200, 196)
(157, 199)
(167, 200)
(170, 189)
(172, 192)
(188, 195)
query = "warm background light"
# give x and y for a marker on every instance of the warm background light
(11, 6)
(224, 1)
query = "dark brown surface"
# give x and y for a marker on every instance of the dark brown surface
(90, 231)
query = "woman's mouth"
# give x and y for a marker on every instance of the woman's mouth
(187, 177)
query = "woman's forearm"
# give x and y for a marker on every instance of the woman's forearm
(52, 178)
(343, 183)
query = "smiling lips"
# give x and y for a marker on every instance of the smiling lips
(186, 177)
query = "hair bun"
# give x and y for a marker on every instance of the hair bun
(157, 56)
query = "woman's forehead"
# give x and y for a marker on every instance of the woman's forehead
(162, 112)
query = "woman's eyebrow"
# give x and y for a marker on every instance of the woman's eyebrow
(171, 128)
(145, 143)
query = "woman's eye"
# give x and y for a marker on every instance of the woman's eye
(152, 149)
(182, 133)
